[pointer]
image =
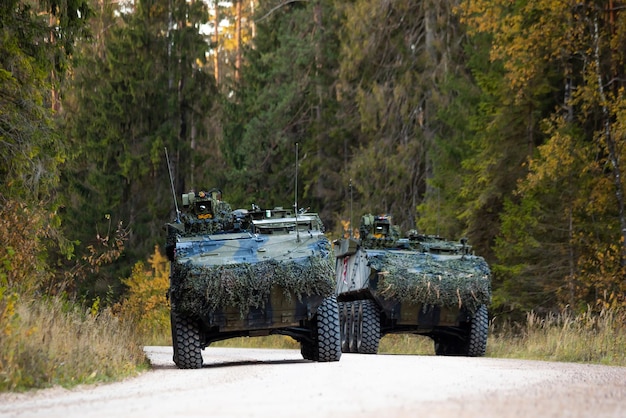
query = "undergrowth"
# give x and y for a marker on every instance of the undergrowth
(586, 338)
(50, 341)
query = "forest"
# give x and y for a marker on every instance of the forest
(502, 121)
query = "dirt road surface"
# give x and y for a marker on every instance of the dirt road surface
(278, 383)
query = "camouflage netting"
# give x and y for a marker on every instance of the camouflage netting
(221, 221)
(206, 289)
(457, 282)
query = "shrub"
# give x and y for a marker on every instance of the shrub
(146, 304)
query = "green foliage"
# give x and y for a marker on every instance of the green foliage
(29, 148)
(145, 304)
(393, 74)
(142, 88)
(23, 262)
(443, 202)
(286, 96)
(558, 134)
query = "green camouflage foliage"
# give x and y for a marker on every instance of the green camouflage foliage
(200, 290)
(444, 281)
(221, 220)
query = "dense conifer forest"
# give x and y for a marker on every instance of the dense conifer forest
(496, 120)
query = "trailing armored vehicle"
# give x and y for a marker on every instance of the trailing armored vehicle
(418, 284)
(249, 273)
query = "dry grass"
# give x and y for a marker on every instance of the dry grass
(406, 344)
(588, 338)
(271, 341)
(585, 338)
(52, 342)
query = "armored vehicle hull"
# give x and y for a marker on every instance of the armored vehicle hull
(251, 274)
(420, 285)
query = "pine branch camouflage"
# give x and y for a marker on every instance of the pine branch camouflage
(206, 289)
(425, 278)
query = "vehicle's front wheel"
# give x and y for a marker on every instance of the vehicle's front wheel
(326, 344)
(448, 345)
(186, 342)
(346, 325)
(479, 329)
(368, 328)
(473, 344)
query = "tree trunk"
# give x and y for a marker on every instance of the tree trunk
(610, 145)
(216, 61)
(238, 40)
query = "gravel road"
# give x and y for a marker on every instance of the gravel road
(278, 383)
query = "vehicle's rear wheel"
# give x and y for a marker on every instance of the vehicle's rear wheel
(186, 342)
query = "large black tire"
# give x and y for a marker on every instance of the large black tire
(308, 351)
(352, 329)
(186, 342)
(345, 323)
(368, 328)
(479, 330)
(473, 345)
(448, 345)
(326, 335)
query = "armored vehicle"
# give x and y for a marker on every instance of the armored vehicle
(249, 273)
(418, 284)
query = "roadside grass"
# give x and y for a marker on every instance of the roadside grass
(50, 341)
(406, 344)
(598, 338)
(270, 341)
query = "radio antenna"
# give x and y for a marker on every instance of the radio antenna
(169, 170)
(295, 205)
(351, 227)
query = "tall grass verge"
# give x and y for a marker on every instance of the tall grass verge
(51, 341)
(588, 337)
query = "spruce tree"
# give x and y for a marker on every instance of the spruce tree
(148, 89)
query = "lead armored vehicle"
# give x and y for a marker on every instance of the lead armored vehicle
(418, 284)
(249, 273)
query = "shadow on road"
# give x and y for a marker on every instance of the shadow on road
(218, 365)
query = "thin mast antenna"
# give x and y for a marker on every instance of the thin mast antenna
(295, 205)
(169, 171)
(351, 228)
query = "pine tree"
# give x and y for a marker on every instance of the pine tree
(285, 96)
(147, 90)
(562, 238)
(35, 39)
(396, 59)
